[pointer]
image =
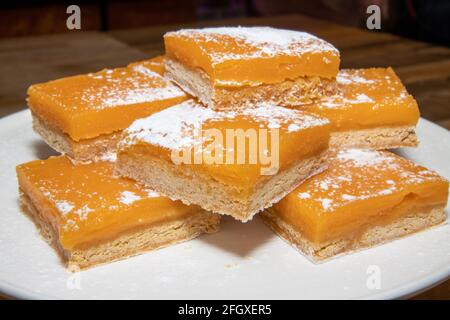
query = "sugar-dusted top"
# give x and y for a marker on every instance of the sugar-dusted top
(361, 189)
(236, 147)
(357, 175)
(155, 64)
(87, 201)
(85, 106)
(180, 126)
(373, 97)
(372, 85)
(108, 88)
(218, 50)
(264, 41)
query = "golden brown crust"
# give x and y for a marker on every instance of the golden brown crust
(85, 150)
(375, 138)
(125, 245)
(191, 187)
(371, 236)
(287, 93)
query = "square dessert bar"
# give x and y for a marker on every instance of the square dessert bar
(91, 217)
(83, 116)
(372, 109)
(363, 199)
(234, 163)
(236, 67)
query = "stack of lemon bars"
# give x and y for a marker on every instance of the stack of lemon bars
(230, 121)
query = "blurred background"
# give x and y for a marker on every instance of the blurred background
(37, 46)
(417, 19)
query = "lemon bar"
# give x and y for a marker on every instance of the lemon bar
(364, 198)
(238, 67)
(83, 116)
(234, 163)
(91, 217)
(371, 109)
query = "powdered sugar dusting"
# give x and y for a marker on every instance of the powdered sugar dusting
(86, 195)
(349, 197)
(346, 77)
(277, 116)
(293, 127)
(179, 126)
(70, 225)
(264, 40)
(357, 175)
(326, 203)
(64, 207)
(128, 197)
(173, 128)
(141, 95)
(378, 88)
(362, 158)
(363, 98)
(108, 89)
(110, 157)
(121, 88)
(304, 195)
(142, 69)
(83, 212)
(153, 194)
(261, 35)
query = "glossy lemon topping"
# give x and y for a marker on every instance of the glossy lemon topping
(89, 105)
(238, 56)
(272, 133)
(360, 188)
(86, 203)
(367, 98)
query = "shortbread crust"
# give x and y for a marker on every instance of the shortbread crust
(238, 67)
(364, 198)
(371, 109)
(92, 217)
(83, 115)
(237, 189)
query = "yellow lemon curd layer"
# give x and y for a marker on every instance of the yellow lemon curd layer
(241, 56)
(360, 188)
(86, 106)
(86, 203)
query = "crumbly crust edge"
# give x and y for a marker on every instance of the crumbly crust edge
(287, 93)
(192, 187)
(373, 236)
(83, 151)
(127, 244)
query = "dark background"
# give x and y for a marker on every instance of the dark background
(418, 19)
(35, 45)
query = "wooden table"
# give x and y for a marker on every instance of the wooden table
(36, 59)
(424, 68)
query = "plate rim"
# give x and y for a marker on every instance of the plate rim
(405, 291)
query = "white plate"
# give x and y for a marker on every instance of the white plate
(244, 261)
